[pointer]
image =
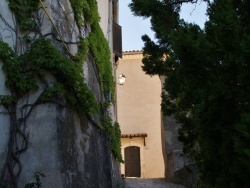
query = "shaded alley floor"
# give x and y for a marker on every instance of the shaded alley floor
(150, 183)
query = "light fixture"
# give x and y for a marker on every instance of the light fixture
(122, 79)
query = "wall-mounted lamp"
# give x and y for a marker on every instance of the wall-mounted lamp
(121, 79)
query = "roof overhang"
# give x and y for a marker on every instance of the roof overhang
(142, 135)
(134, 135)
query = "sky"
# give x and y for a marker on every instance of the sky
(134, 27)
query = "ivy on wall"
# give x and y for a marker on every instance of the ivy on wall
(102, 56)
(97, 42)
(23, 10)
(26, 72)
(84, 9)
(40, 59)
(114, 133)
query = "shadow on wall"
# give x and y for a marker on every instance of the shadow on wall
(179, 168)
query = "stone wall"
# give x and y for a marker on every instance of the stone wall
(179, 167)
(67, 147)
(7, 34)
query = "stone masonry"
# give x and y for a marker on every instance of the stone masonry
(69, 149)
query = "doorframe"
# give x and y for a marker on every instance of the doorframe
(141, 157)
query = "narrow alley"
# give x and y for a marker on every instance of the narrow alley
(150, 183)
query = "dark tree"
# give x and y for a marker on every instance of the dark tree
(207, 83)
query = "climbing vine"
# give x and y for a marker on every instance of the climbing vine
(23, 10)
(97, 42)
(102, 56)
(114, 133)
(85, 9)
(22, 77)
(27, 74)
(42, 58)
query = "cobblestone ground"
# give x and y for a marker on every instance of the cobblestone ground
(149, 183)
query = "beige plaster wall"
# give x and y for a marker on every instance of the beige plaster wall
(103, 9)
(105, 12)
(138, 111)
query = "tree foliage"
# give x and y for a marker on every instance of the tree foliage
(207, 83)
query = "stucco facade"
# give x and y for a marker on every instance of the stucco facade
(139, 112)
(106, 13)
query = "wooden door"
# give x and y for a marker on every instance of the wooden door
(132, 162)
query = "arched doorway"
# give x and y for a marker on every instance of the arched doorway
(132, 161)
